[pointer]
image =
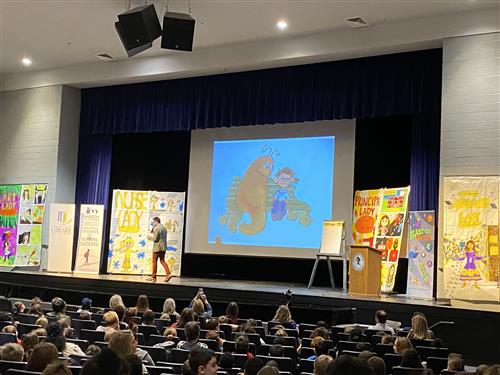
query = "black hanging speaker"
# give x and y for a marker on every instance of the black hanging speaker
(138, 28)
(178, 31)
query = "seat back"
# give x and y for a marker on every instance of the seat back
(289, 341)
(420, 342)
(26, 318)
(306, 365)
(398, 370)
(158, 370)
(176, 367)
(7, 338)
(79, 324)
(230, 346)
(91, 335)
(239, 360)
(83, 344)
(382, 349)
(306, 352)
(437, 364)
(161, 324)
(391, 360)
(5, 365)
(289, 332)
(97, 318)
(147, 331)
(252, 337)
(212, 344)
(157, 354)
(24, 329)
(425, 352)
(284, 364)
(353, 353)
(181, 333)
(20, 372)
(350, 345)
(179, 355)
(306, 342)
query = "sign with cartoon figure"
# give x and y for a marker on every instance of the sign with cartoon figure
(88, 253)
(129, 250)
(470, 238)
(264, 192)
(9, 211)
(366, 208)
(421, 254)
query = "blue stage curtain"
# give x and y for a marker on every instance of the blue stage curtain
(94, 169)
(380, 86)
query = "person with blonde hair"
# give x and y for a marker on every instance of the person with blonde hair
(57, 368)
(122, 343)
(169, 308)
(110, 322)
(12, 352)
(321, 364)
(401, 344)
(204, 309)
(419, 328)
(268, 370)
(283, 316)
(42, 322)
(142, 304)
(115, 300)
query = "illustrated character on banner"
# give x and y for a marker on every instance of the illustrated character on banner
(470, 271)
(126, 246)
(396, 227)
(26, 196)
(170, 205)
(172, 225)
(393, 254)
(6, 245)
(283, 179)
(153, 201)
(383, 225)
(390, 277)
(86, 256)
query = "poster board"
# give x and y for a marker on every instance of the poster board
(22, 210)
(365, 212)
(61, 235)
(331, 240)
(129, 249)
(421, 258)
(470, 238)
(88, 253)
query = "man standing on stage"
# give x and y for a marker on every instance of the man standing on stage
(159, 237)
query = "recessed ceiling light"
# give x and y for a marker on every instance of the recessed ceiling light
(281, 24)
(26, 61)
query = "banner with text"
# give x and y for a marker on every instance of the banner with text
(366, 207)
(421, 254)
(89, 246)
(132, 212)
(470, 238)
(61, 233)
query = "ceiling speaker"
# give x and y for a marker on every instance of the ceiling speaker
(138, 28)
(178, 31)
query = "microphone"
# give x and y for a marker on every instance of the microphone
(442, 322)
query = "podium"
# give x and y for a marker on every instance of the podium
(364, 271)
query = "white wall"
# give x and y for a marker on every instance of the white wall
(39, 140)
(470, 116)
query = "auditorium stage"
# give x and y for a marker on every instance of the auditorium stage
(260, 299)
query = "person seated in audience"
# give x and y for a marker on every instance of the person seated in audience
(242, 346)
(12, 352)
(365, 355)
(410, 358)
(92, 350)
(169, 308)
(11, 329)
(455, 362)
(401, 344)
(355, 334)
(232, 312)
(252, 366)
(214, 335)
(57, 368)
(129, 313)
(116, 300)
(123, 343)
(320, 347)
(203, 361)
(19, 307)
(212, 324)
(481, 369)
(106, 362)
(69, 332)
(380, 322)
(226, 361)
(276, 350)
(142, 303)
(55, 335)
(85, 305)
(387, 339)
(362, 346)
(42, 322)
(148, 318)
(5, 317)
(36, 301)
(281, 332)
(186, 316)
(249, 327)
(108, 334)
(43, 354)
(377, 365)
(192, 330)
(320, 332)
(493, 370)
(58, 308)
(120, 311)
(321, 364)
(271, 363)
(170, 333)
(284, 317)
(41, 332)
(349, 365)
(203, 309)
(269, 370)
(134, 363)
(419, 328)
(29, 342)
(36, 309)
(110, 322)
(85, 315)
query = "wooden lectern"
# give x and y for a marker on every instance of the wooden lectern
(364, 271)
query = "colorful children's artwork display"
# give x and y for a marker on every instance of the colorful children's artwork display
(129, 251)
(22, 209)
(470, 238)
(366, 208)
(421, 254)
(389, 232)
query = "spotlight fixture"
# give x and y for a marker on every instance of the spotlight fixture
(138, 28)
(282, 25)
(26, 61)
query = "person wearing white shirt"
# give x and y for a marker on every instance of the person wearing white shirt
(380, 322)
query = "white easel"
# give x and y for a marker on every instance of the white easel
(332, 247)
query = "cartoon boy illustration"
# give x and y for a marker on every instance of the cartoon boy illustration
(283, 179)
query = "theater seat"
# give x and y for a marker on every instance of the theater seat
(398, 370)
(5, 365)
(437, 364)
(91, 335)
(158, 370)
(20, 372)
(7, 338)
